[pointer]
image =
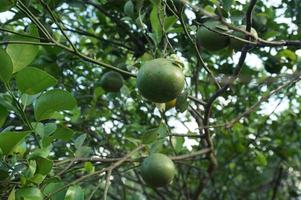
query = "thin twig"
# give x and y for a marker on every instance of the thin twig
(199, 56)
(58, 24)
(277, 183)
(113, 166)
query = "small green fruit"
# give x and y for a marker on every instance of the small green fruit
(273, 65)
(237, 44)
(260, 22)
(111, 81)
(160, 80)
(211, 40)
(158, 170)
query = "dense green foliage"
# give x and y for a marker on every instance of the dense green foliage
(64, 136)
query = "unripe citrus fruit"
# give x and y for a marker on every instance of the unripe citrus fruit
(211, 40)
(237, 44)
(260, 21)
(160, 80)
(111, 81)
(158, 170)
(273, 65)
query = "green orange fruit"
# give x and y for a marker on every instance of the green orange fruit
(111, 81)
(237, 44)
(211, 40)
(158, 170)
(273, 65)
(160, 80)
(260, 22)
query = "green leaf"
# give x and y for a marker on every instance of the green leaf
(20, 149)
(6, 66)
(31, 80)
(49, 128)
(3, 172)
(288, 54)
(23, 54)
(51, 101)
(150, 136)
(8, 140)
(155, 37)
(38, 129)
(128, 8)
(75, 193)
(89, 167)
(27, 100)
(51, 188)
(83, 151)
(134, 141)
(63, 133)
(182, 102)
(5, 5)
(29, 193)
(155, 18)
(37, 178)
(3, 115)
(12, 195)
(79, 141)
(163, 130)
(44, 153)
(261, 159)
(139, 21)
(169, 22)
(178, 143)
(44, 165)
(157, 146)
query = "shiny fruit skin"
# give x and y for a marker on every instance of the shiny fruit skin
(158, 170)
(160, 80)
(111, 81)
(236, 44)
(211, 40)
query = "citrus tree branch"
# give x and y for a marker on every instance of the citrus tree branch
(112, 160)
(27, 42)
(199, 56)
(259, 41)
(58, 24)
(85, 33)
(98, 172)
(32, 17)
(21, 34)
(27, 12)
(207, 113)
